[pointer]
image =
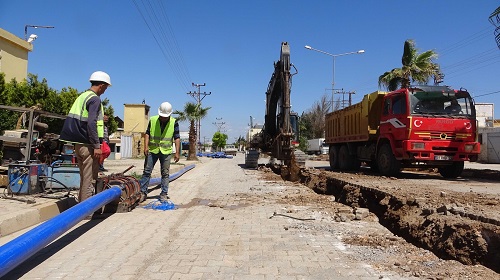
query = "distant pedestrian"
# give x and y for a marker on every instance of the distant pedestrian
(106, 150)
(161, 134)
(84, 127)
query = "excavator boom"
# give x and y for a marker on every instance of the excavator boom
(277, 134)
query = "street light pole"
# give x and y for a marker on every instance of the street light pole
(333, 69)
(33, 26)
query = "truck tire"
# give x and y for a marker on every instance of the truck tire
(452, 171)
(345, 159)
(373, 165)
(334, 157)
(387, 163)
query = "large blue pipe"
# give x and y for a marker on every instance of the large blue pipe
(156, 181)
(20, 249)
(23, 247)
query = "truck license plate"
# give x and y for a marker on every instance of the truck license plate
(441, 157)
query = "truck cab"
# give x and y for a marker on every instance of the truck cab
(434, 125)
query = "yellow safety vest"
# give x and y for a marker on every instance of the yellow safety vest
(160, 142)
(79, 111)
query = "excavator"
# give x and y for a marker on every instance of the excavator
(280, 134)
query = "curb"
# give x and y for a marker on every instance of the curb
(25, 218)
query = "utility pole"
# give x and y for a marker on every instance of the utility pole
(198, 96)
(219, 124)
(342, 104)
(350, 97)
(205, 142)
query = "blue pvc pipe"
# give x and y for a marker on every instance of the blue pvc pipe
(156, 181)
(23, 247)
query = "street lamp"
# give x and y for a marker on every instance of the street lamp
(33, 26)
(334, 56)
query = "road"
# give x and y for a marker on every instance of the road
(235, 223)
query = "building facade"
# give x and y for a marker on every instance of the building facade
(13, 56)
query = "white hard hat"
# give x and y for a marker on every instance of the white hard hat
(99, 76)
(165, 109)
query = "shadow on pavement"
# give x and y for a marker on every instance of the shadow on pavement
(53, 248)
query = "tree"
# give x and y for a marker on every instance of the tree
(416, 68)
(219, 140)
(110, 112)
(192, 113)
(312, 121)
(240, 143)
(32, 92)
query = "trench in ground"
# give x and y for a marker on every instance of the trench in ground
(467, 239)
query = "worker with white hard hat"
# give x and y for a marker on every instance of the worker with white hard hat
(162, 132)
(84, 127)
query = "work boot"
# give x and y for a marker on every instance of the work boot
(143, 197)
(164, 197)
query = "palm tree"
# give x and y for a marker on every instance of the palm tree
(192, 113)
(416, 68)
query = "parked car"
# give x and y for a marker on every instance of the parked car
(230, 150)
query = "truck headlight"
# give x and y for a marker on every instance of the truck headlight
(469, 147)
(418, 146)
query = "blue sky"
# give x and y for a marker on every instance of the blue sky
(231, 47)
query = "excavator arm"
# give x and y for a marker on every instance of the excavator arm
(277, 134)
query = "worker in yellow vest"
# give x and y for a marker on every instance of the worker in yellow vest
(162, 132)
(84, 127)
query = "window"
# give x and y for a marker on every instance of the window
(387, 106)
(399, 105)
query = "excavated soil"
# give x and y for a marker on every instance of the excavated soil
(454, 226)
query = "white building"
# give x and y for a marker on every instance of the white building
(488, 135)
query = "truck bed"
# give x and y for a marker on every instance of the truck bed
(358, 122)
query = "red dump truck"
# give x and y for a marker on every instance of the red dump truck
(419, 126)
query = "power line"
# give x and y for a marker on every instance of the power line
(159, 26)
(490, 93)
(486, 32)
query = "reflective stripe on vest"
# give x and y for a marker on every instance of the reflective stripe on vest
(160, 142)
(79, 111)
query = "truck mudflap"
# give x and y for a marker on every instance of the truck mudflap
(440, 151)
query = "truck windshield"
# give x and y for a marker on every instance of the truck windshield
(440, 100)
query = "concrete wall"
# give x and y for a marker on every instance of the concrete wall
(13, 56)
(490, 145)
(136, 118)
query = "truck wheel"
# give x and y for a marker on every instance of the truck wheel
(373, 165)
(387, 163)
(452, 171)
(345, 159)
(334, 157)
